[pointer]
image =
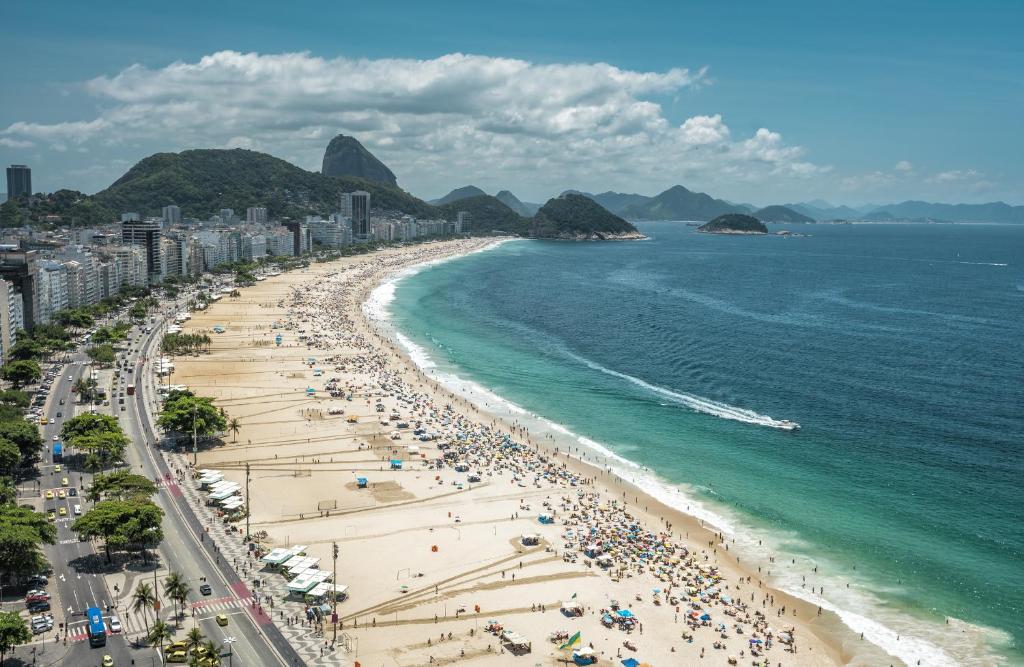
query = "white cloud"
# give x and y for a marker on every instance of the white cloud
(438, 123)
(956, 175)
(15, 143)
(904, 166)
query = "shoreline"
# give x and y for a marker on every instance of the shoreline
(824, 635)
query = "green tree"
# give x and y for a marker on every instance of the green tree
(183, 413)
(108, 447)
(25, 435)
(235, 425)
(89, 424)
(22, 534)
(104, 521)
(120, 485)
(18, 399)
(142, 600)
(20, 373)
(76, 319)
(159, 633)
(131, 524)
(10, 457)
(194, 638)
(85, 389)
(102, 354)
(177, 589)
(26, 348)
(13, 632)
(10, 214)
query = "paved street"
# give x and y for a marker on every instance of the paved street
(81, 576)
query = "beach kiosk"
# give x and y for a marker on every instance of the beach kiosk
(571, 608)
(396, 464)
(546, 518)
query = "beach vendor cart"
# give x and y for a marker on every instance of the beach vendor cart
(396, 464)
(361, 482)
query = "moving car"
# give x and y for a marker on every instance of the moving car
(222, 620)
(63, 511)
(72, 491)
(50, 516)
(205, 589)
(61, 493)
(115, 624)
(63, 481)
(108, 661)
(49, 494)
(78, 510)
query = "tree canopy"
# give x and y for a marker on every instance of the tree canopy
(20, 373)
(120, 485)
(122, 524)
(184, 411)
(102, 354)
(13, 632)
(25, 435)
(22, 532)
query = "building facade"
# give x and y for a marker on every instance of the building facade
(19, 181)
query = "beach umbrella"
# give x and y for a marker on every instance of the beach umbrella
(705, 617)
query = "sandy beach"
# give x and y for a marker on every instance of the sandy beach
(446, 540)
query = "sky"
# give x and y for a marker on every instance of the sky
(758, 102)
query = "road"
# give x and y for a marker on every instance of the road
(79, 580)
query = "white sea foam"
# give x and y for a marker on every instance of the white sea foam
(861, 610)
(692, 401)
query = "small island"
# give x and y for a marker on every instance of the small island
(734, 223)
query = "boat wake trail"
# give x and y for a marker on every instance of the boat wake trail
(695, 403)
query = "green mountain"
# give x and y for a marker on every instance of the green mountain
(574, 216)
(734, 223)
(524, 209)
(204, 181)
(615, 202)
(464, 192)
(920, 210)
(780, 214)
(678, 203)
(345, 156)
(486, 215)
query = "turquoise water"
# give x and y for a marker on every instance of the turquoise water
(897, 348)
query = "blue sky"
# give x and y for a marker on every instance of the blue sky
(860, 102)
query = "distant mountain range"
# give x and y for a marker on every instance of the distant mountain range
(525, 209)
(679, 203)
(204, 181)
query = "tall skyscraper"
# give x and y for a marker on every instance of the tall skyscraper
(171, 215)
(19, 181)
(145, 234)
(360, 215)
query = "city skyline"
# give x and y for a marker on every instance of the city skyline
(699, 97)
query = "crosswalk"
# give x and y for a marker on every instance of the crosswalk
(221, 604)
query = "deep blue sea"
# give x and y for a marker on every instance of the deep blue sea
(899, 349)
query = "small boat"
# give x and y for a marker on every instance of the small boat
(787, 425)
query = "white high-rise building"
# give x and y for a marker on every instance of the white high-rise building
(11, 317)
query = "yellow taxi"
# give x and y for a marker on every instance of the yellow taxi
(63, 511)
(222, 620)
(62, 494)
(108, 661)
(57, 468)
(64, 481)
(50, 516)
(177, 656)
(49, 494)
(177, 646)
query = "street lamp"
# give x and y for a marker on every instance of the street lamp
(231, 651)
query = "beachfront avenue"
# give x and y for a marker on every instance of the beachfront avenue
(82, 578)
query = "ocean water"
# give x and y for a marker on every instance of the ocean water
(899, 349)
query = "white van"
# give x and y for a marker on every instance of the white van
(78, 510)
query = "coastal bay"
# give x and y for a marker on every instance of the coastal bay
(301, 456)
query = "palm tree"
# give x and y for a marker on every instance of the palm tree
(235, 425)
(181, 594)
(143, 599)
(171, 583)
(194, 638)
(160, 633)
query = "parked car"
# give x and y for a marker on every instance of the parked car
(36, 607)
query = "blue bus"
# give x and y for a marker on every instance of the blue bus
(58, 452)
(97, 628)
